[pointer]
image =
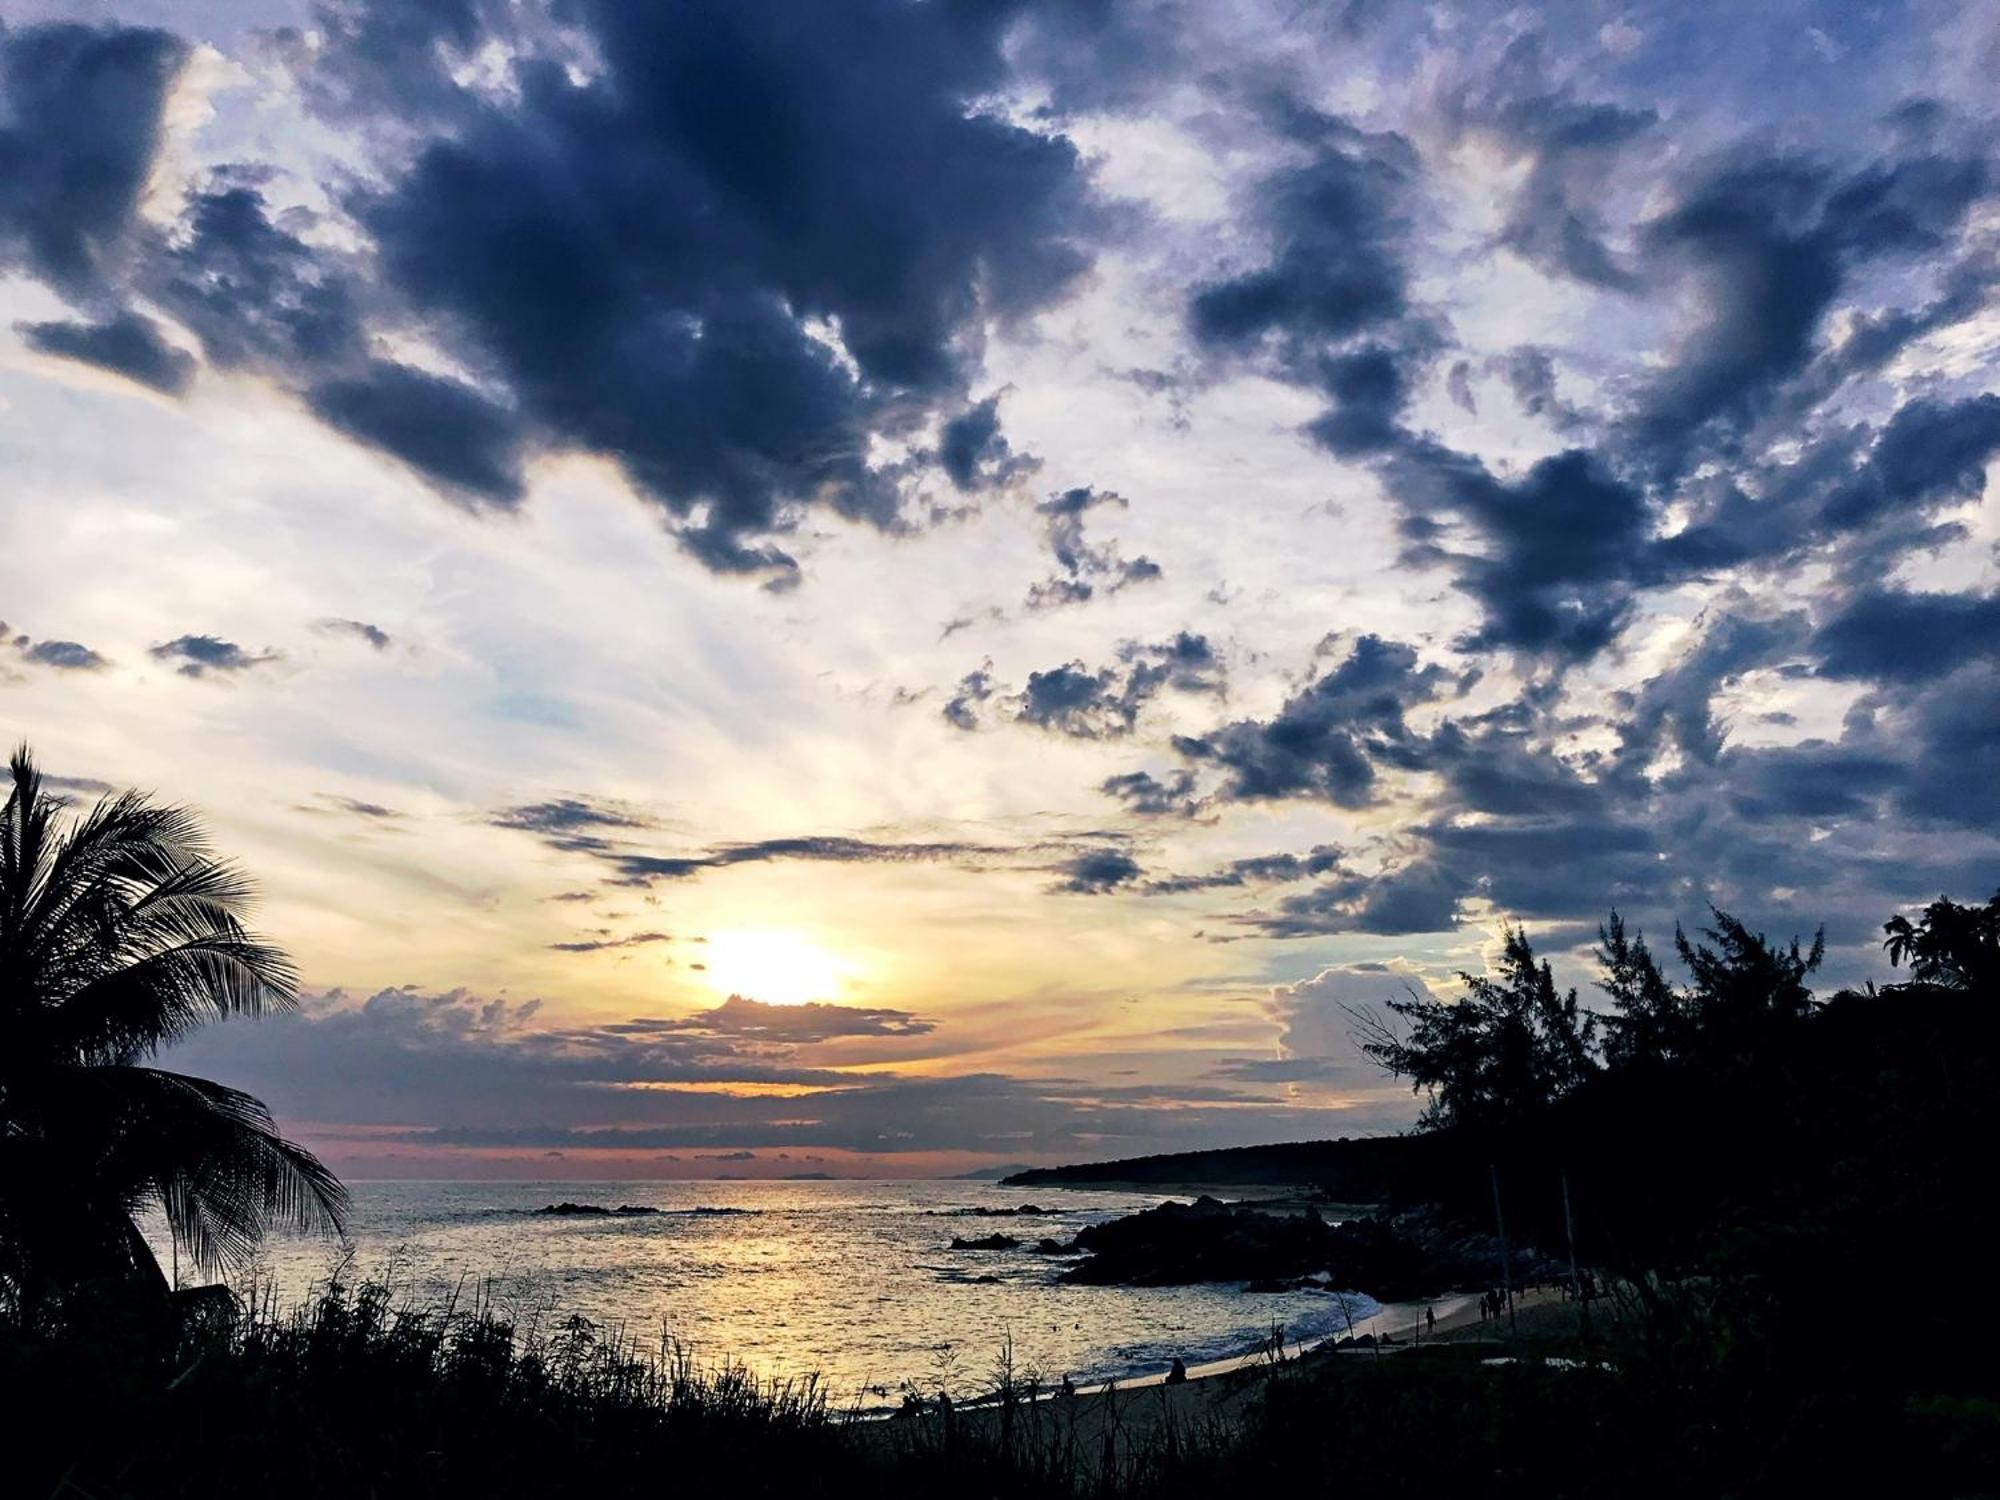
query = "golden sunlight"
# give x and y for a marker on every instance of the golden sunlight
(775, 966)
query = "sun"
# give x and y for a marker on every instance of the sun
(775, 966)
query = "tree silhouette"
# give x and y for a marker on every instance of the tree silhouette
(1655, 1020)
(1509, 1048)
(1744, 986)
(1952, 946)
(119, 933)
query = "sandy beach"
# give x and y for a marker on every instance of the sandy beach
(1135, 1415)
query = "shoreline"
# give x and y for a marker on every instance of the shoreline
(1397, 1327)
(1115, 1421)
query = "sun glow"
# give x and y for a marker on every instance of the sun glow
(777, 967)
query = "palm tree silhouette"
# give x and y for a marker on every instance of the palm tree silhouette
(119, 933)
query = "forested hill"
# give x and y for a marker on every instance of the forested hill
(1349, 1170)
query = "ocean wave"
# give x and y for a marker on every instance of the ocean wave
(1153, 1356)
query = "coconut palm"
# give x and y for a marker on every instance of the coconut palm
(1950, 946)
(120, 933)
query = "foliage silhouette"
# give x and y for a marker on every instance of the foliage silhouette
(119, 933)
(1654, 1019)
(1954, 947)
(1506, 1051)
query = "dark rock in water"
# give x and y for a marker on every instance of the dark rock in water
(1055, 1247)
(986, 1281)
(594, 1210)
(1208, 1240)
(990, 1242)
(635, 1208)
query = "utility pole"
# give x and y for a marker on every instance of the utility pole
(1575, 1275)
(1506, 1255)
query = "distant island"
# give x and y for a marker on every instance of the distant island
(1350, 1170)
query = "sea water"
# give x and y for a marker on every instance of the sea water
(853, 1281)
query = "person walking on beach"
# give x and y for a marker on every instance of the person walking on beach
(1430, 1320)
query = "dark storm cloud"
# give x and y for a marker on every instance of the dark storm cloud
(811, 849)
(1554, 222)
(1104, 704)
(1322, 742)
(1813, 780)
(642, 258)
(1757, 247)
(1077, 702)
(1550, 867)
(1097, 871)
(975, 688)
(1150, 796)
(575, 824)
(448, 432)
(1256, 869)
(1186, 662)
(631, 867)
(256, 294)
(1564, 151)
(1952, 734)
(1931, 452)
(359, 630)
(1338, 226)
(1765, 245)
(125, 344)
(975, 454)
(64, 656)
(1563, 547)
(1500, 771)
(1094, 703)
(1566, 549)
(1084, 567)
(1518, 815)
(1876, 486)
(208, 655)
(1330, 308)
(727, 247)
(78, 135)
(1676, 707)
(60, 656)
(1897, 635)
(1418, 896)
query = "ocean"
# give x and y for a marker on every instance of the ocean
(853, 1281)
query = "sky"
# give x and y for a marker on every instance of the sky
(894, 587)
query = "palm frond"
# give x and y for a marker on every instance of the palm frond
(212, 1158)
(120, 932)
(160, 998)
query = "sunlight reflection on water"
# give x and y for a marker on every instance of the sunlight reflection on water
(853, 1280)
